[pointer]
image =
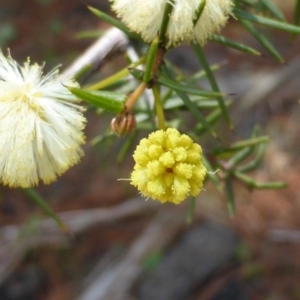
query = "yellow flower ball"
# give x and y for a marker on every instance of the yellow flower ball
(168, 167)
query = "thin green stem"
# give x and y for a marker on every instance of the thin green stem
(199, 11)
(165, 21)
(151, 57)
(213, 83)
(191, 210)
(35, 197)
(115, 77)
(230, 196)
(159, 108)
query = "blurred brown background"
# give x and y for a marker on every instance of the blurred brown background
(132, 249)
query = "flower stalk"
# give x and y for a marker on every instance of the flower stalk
(134, 97)
(159, 108)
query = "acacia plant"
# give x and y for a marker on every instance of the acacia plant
(42, 124)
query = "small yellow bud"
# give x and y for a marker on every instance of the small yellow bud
(168, 167)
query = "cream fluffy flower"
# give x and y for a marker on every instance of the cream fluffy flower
(40, 125)
(145, 17)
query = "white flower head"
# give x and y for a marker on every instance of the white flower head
(40, 124)
(145, 17)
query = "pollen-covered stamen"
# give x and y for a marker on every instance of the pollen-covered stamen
(27, 95)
